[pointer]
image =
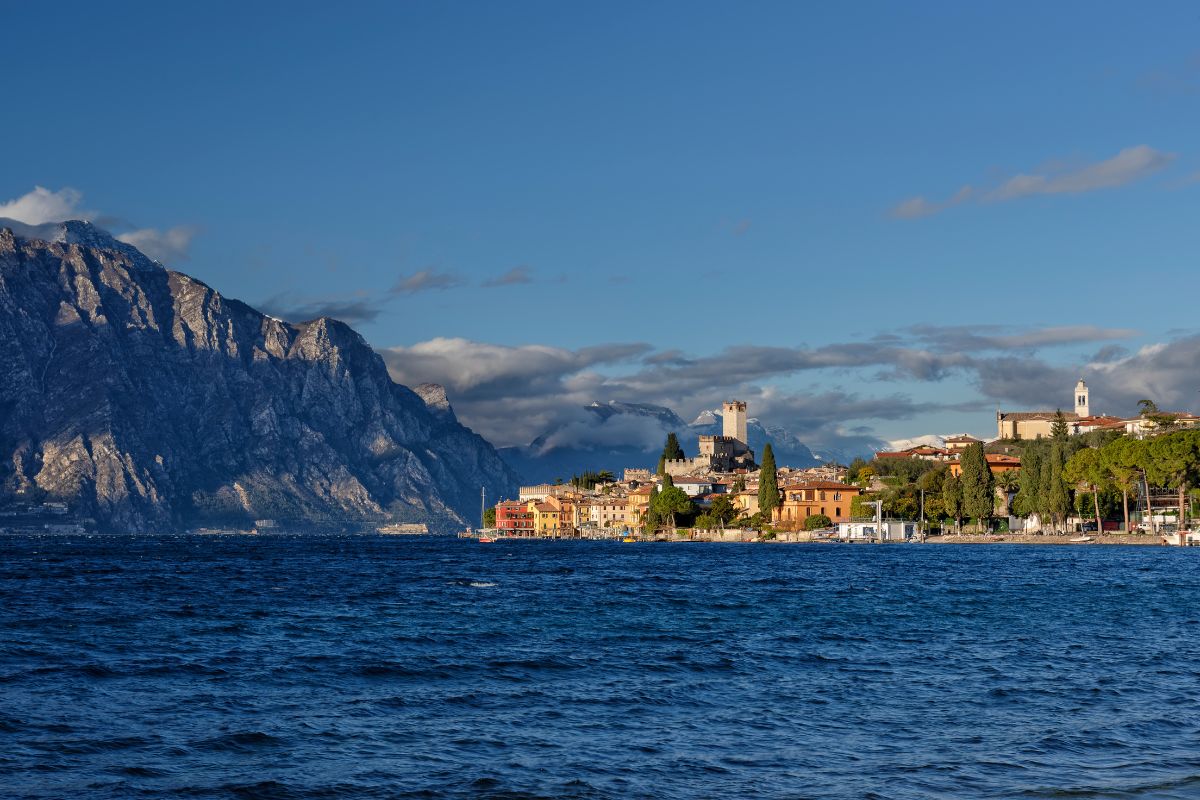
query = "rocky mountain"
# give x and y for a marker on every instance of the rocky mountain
(143, 398)
(616, 435)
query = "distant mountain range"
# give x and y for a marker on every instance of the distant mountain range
(928, 440)
(615, 435)
(142, 398)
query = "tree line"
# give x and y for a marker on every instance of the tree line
(1091, 476)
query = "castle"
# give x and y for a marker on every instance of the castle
(724, 453)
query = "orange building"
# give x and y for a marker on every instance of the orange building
(996, 462)
(804, 500)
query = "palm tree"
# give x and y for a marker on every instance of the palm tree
(1009, 481)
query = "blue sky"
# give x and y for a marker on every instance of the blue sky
(511, 185)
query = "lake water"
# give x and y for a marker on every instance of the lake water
(376, 667)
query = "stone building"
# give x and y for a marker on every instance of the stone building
(725, 453)
(1037, 424)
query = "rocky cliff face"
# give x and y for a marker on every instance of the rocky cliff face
(145, 399)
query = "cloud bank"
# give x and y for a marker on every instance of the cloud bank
(511, 394)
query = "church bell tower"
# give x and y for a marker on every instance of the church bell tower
(1081, 399)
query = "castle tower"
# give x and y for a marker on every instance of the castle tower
(733, 420)
(1081, 399)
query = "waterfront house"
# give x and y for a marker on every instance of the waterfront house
(889, 530)
(804, 500)
(515, 518)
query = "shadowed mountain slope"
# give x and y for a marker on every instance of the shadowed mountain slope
(141, 397)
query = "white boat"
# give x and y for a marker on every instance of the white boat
(1081, 539)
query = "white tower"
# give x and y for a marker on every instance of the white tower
(733, 420)
(1081, 399)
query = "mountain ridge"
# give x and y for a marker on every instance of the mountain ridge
(145, 399)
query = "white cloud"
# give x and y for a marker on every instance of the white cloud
(917, 207)
(1126, 167)
(517, 275)
(166, 246)
(42, 205)
(426, 280)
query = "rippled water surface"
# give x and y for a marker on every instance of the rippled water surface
(311, 667)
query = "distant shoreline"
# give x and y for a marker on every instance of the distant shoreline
(1139, 539)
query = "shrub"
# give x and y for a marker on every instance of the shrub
(816, 522)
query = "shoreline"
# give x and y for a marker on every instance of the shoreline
(1133, 539)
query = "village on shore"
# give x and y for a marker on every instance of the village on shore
(1049, 475)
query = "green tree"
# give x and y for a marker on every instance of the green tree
(722, 510)
(859, 508)
(978, 493)
(1008, 481)
(489, 518)
(816, 522)
(1056, 498)
(1122, 460)
(651, 521)
(1174, 460)
(671, 503)
(739, 484)
(855, 467)
(1029, 494)
(662, 465)
(1059, 431)
(952, 500)
(1086, 469)
(768, 483)
(671, 450)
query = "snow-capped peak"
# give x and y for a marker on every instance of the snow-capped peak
(77, 231)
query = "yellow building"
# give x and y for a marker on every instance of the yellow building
(746, 502)
(638, 503)
(548, 516)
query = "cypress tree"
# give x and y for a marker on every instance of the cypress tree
(1059, 430)
(978, 486)
(768, 484)
(651, 522)
(1054, 489)
(952, 499)
(1028, 495)
(671, 450)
